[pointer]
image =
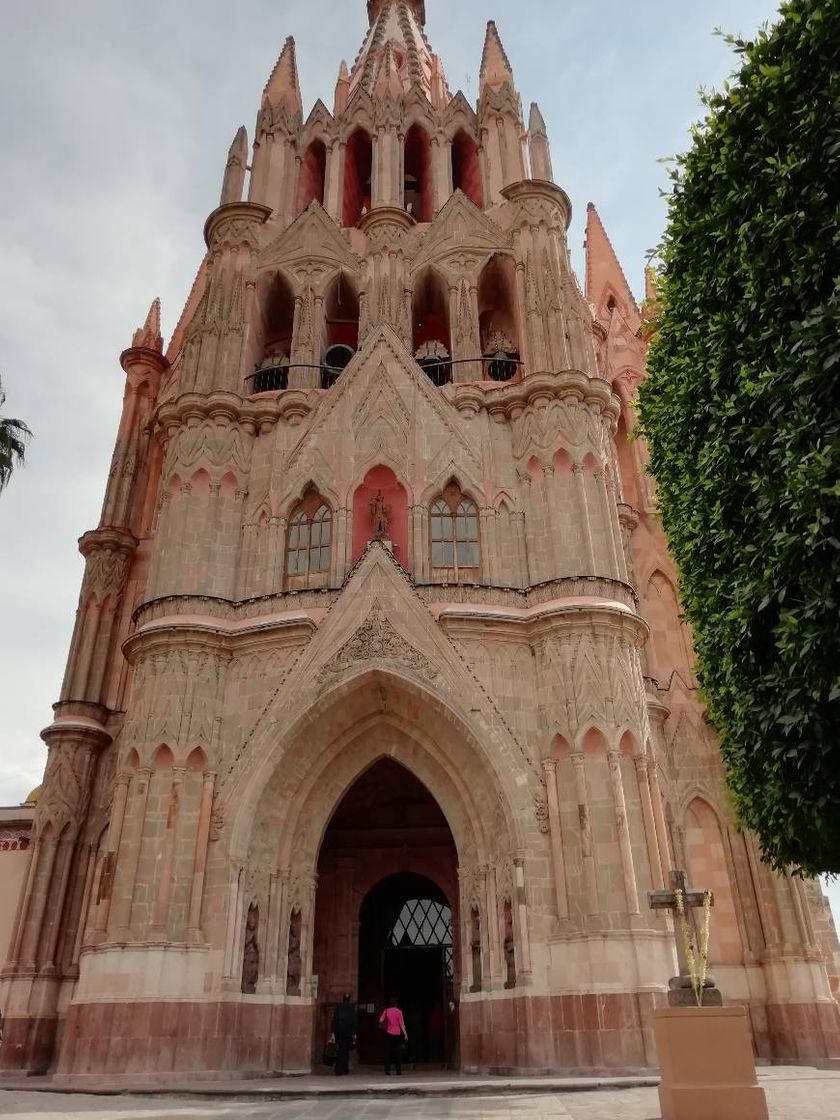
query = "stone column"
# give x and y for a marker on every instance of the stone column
(202, 839)
(629, 875)
(665, 855)
(125, 900)
(167, 863)
(112, 847)
(522, 912)
(25, 901)
(589, 878)
(232, 933)
(641, 762)
(583, 507)
(494, 964)
(49, 850)
(557, 863)
(90, 875)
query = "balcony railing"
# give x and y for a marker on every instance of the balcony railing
(275, 378)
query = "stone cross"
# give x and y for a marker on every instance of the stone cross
(691, 900)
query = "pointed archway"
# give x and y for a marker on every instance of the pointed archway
(386, 913)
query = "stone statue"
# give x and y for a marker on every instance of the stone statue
(475, 946)
(294, 967)
(380, 515)
(251, 952)
(510, 950)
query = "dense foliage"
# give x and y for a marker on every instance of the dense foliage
(741, 410)
(13, 437)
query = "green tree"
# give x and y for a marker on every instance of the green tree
(13, 438)
(741, 409)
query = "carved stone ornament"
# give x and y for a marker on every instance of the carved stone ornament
(376, 639)
(431, 349)
(541, 808)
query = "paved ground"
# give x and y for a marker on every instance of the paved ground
(794, 1094)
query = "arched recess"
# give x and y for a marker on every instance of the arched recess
(708, 869)
(431, 338)
(313, 174)
(381, 501)
(669, 639)
(387, 925)
(270, 347)
(340, 331)
(626, 464)
(418, 178)
(294, 781)
(358, 169)
(466, 168)
(497, 319)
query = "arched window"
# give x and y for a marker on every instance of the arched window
(497, 322)
(417, 193)
(340, 337)
(313, 171)
(271, 344)
(431, 341)
(358, 168)
(466, 170)
(309, 540)
(455, 535)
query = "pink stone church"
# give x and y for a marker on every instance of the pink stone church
(378, 682)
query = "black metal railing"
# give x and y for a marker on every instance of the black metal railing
(274, 379)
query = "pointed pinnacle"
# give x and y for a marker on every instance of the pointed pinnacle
(495, 67)
(536, 122)
(149, 336)
(283, 87)
(239, 147)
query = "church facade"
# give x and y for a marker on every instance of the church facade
(378, 682)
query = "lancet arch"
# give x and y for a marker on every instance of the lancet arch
(299, 777)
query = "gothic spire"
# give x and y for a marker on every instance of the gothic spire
(418, 7)
(604, 275)
(495, 67)
(233, 182)
(540, 150)
(283, 87)
(148, 336)
(398, 25)
(342, 89)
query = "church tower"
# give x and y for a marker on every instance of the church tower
(378, 682)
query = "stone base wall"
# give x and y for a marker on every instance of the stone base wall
(146, 1041)
(549, 1033)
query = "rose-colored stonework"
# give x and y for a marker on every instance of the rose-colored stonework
(379, 622)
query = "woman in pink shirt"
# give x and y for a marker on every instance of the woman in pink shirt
(391, 1021)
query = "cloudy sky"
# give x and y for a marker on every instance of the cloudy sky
(115, 120)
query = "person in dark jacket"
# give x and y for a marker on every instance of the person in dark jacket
(344, 1033)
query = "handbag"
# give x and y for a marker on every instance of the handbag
(330, 1054)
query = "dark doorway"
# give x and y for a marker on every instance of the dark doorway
(405, 950)
(386, 915)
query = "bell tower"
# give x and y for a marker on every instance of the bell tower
(379, 654)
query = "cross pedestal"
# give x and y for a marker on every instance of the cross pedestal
(705, 1052)
(681, 988)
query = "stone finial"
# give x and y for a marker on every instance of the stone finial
(342, 89)
(495, 67)
(439, 93)
(283, 87)
(540, 149)
(233, 182)
(148, 336)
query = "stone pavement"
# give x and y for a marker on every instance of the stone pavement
(794, 1094)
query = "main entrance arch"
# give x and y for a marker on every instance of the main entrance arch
(386, 914)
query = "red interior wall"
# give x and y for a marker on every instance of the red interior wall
(384, 479)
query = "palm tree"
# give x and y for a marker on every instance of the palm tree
(13, 438)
